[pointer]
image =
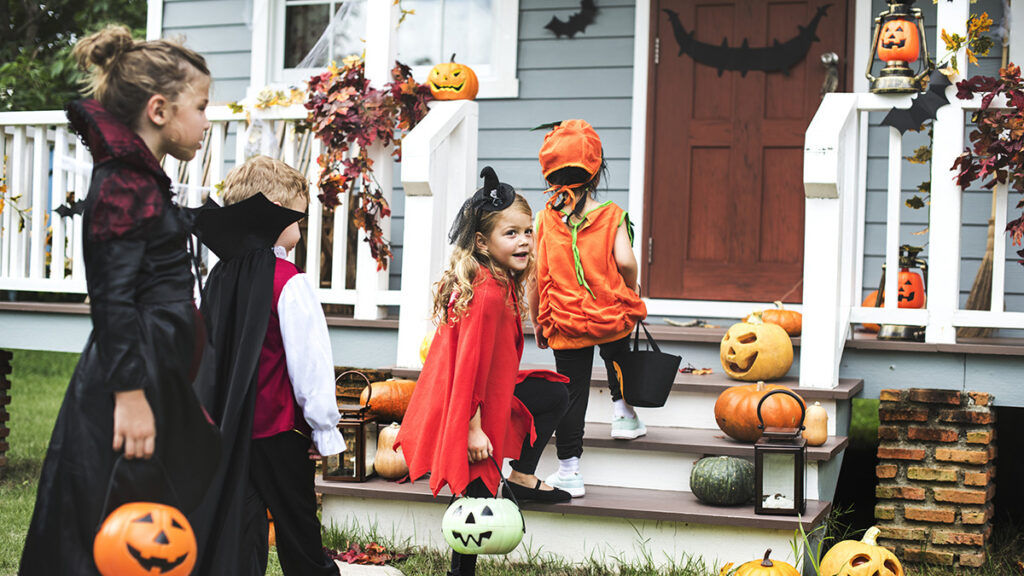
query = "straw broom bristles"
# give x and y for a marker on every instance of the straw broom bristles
(980, 297)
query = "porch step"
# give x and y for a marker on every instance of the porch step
(609, 524)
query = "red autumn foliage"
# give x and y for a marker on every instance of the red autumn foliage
(372, 553)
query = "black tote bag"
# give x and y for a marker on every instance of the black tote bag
(646, 376)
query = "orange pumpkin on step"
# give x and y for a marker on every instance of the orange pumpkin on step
(790, 320)
(388, 399)
(736, 410)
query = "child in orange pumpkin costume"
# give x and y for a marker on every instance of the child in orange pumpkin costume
(585, 291)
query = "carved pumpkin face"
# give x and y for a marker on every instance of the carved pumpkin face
(453, 81)
(863, 558)
(483, 526)
(898, 41)
(143, 539)
(911, 294)
(753, 352)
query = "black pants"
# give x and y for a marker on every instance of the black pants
(547, 402)
(465, 564)
(281, 477)
(578, 365)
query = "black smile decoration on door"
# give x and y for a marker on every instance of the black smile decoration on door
(779, 57)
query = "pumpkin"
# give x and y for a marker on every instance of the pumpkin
(453, 81)
(790, 320)
(763, 567)
(722, 480)
(388, 399)
(898, 41)
(736, 410)
(143, 538)
(861, 558)
(815, 425)
(755, 351)
(388, 462)
(272, 536)
(483, 526)
(873, 301)
(911, 289)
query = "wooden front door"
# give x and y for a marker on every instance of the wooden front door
(724, 198)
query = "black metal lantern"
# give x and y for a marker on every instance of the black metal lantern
(898, 41)
(780, 458)
(359, 428)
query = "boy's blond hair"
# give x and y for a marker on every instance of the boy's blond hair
(277, 181)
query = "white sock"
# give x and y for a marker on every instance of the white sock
(568, 467)
(623, 410)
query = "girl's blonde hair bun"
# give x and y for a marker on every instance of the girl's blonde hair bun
(104, 47)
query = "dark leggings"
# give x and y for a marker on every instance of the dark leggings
(547, 402)
(465, 564)
(578, 365)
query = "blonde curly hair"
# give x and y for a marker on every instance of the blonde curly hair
(464, 267)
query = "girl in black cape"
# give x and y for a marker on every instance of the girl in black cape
(131, 390)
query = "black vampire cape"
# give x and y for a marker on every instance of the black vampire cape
(146, 334)
(236, 305)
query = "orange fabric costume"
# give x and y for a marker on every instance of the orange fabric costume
(474, 361)
(583, 299)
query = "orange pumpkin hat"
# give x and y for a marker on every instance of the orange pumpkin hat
(572, 143)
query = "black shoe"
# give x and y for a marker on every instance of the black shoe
(535, 494)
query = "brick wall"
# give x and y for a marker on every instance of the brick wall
(935, 475)
(5, 399)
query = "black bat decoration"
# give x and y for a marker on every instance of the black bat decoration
(71, 209)
(577, 23)
(922, 107)
(779, 57)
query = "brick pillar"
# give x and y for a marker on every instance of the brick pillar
(5, 399)
(935, 475)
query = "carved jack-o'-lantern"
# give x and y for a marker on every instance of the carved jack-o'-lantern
(898, 41)
(911, 294)
(861, 558)
(453, 81)
(145, 538)
(483, 526)
(754, 350)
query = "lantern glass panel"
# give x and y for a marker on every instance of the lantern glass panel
(370, 442)
(778, 486)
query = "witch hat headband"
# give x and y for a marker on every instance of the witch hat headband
(494, 196)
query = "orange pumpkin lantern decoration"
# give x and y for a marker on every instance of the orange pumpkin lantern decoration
(736, 410)
(911, 293)
(453, 81)
(898, 41)
(145, 538)
(756, 350)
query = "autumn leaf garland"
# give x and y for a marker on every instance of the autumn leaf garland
(349, 115)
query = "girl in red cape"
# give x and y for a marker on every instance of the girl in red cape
(471, 403)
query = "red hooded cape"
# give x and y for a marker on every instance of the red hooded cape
(473, 362)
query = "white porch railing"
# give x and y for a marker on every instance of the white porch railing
(835, 184)
(44, 161)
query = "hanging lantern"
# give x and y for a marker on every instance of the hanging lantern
(359, 428)
(897, 42)
(910, 293)
(780, 458)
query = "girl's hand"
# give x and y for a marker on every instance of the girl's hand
(479, 445)
(134, 426)
(542, 342)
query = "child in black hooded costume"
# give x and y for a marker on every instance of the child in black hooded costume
(272, 392)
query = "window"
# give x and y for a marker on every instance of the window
(308, 34)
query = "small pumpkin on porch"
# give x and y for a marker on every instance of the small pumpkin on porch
(722, 480)
(790, 320)
(389, 463)
(736, 410)
(763, 567)
(756, 350)
(816, 425)
(453, 81)
(389, 399)
(861, 558)
(898, 41)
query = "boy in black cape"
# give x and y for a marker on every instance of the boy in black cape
(272, 391)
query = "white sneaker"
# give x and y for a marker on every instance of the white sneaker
(628, 428)
(573, 484)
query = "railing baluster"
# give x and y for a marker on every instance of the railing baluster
(240, 127)
(18, 186)
(58, 197)
(194, 191)
(999, 251)
(37, 233)
(314, 221)
(217, 137)
(82, 181)
(892, 218)
(5, 244)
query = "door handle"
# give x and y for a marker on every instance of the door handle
(830, 60)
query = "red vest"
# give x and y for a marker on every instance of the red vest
(276, 410)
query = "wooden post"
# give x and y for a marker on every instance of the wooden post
(381, 48)
(944, 218)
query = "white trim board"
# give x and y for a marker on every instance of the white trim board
(705, 309)
(154, 19)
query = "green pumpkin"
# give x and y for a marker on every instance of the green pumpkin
(483, 526)
(722, 480)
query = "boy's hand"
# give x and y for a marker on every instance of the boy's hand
(314, 454)
(134, 425)
(479, 445)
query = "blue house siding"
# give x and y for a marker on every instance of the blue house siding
(221, 30)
